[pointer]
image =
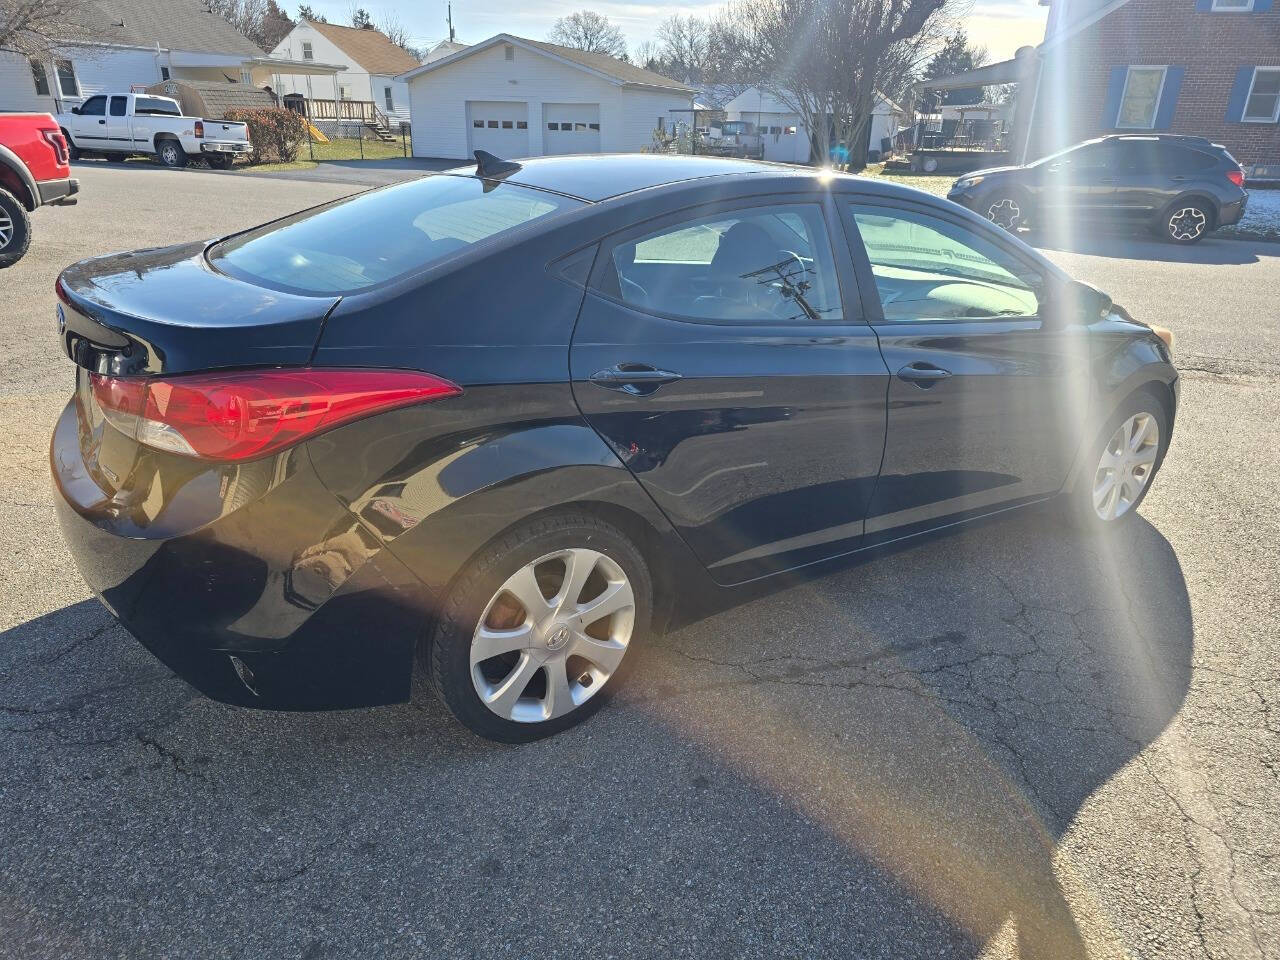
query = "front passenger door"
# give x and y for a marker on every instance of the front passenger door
(986, 407)
(90, 125)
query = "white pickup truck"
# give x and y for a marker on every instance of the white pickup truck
(120, 125)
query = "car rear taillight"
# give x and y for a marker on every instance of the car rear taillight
(199, 128)
(1236, 177)
(59, 144)
(252, 413)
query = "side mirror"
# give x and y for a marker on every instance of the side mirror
(75, 110)
(1074, 303)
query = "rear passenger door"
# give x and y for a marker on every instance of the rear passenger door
(722, 354)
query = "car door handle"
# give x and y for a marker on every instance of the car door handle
(923, 375)
(102, 121)
(637, 379)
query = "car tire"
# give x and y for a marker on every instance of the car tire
(73, 152)
(219, 161)
(1008, 209)
(170, 153)
(15, 229)
(1121, 464)
(1187, 222)
(511, 697)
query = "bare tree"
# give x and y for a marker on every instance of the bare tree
(395, 30)
(590, 31)
(34, 28)
(826, 59)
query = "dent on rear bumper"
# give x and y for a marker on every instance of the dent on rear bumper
(281, 575)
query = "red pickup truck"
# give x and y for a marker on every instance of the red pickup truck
(34, 171)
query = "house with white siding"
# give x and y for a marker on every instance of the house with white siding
(783, 132)
(526, 98)
(135, 44)
(371, 65)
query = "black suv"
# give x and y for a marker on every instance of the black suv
(1184, 187)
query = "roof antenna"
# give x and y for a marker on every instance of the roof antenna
(487, 165)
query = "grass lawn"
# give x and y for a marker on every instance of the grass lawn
(937, 184)
(349, 149)
(275, 167)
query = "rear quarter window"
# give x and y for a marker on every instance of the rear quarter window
(383, 235)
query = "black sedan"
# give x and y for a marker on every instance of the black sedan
(483, 431)
(1182, 188)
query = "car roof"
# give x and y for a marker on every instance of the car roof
(596, 177)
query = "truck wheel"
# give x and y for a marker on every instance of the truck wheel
(15, 229)
(219, 161)
(171, 154)
(73, 152)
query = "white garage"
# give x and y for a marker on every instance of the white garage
(499, 126)
(515, 97)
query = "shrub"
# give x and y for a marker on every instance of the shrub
(276, 133)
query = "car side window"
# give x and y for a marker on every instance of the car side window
(752, 264)
(94, 107)
(118, 105)
(929, 269)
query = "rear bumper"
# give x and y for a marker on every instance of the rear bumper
(283, 578)
(1233, 213)
(58, 191)
(225, 146)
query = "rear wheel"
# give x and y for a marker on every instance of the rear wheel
(15, 229)
(1188, 222)
(219, 161)
(1122, 464)
(73, 152)
(171, 154)
(534, 633)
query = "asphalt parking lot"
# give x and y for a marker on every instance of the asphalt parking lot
(1009, 742)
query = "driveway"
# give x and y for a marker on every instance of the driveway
(1008, 742)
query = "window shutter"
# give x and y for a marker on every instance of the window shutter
(1115, 91)
(1204, 6)
(1169, 97)
(1239, 94)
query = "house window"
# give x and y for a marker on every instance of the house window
(307, 53)
(344, 91)
(522, 124)
(508, 125)
(1263, 105)
(1141, 98)
(594, 126)
(164, 73)
(67, 78)
(40, 77)
(493, 124)
(479, 124)
(1232, 6)
(387, 99)
(579, 126)
(509, 52)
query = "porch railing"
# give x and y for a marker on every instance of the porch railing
(357, 111)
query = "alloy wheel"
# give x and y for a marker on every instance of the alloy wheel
(6, 229)
(1126, 465)
(1005, 213)
(552, 635)
(1189, 223)
(169, 154)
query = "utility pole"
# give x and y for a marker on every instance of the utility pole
(450, 17)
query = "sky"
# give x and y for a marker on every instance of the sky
(1000, 25)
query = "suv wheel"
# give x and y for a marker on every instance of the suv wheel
(533, 635)
(1006, 209)
(15, 229)
(1187, 222)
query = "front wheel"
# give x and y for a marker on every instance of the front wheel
(15, 229)
(533, 636)
(1007, 209)
(1187, 223)
(1122, 463)
(171, 154)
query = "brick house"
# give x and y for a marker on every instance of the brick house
(1201, 67)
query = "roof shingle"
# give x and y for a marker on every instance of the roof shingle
(173, 24)
(369, 48)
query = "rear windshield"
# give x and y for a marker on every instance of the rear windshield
(382, 235)
(156, 105)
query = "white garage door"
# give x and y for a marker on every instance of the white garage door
(500, 128)
(570, 128)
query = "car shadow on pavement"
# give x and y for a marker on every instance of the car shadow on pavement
(1122, 245)
(884, 762)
